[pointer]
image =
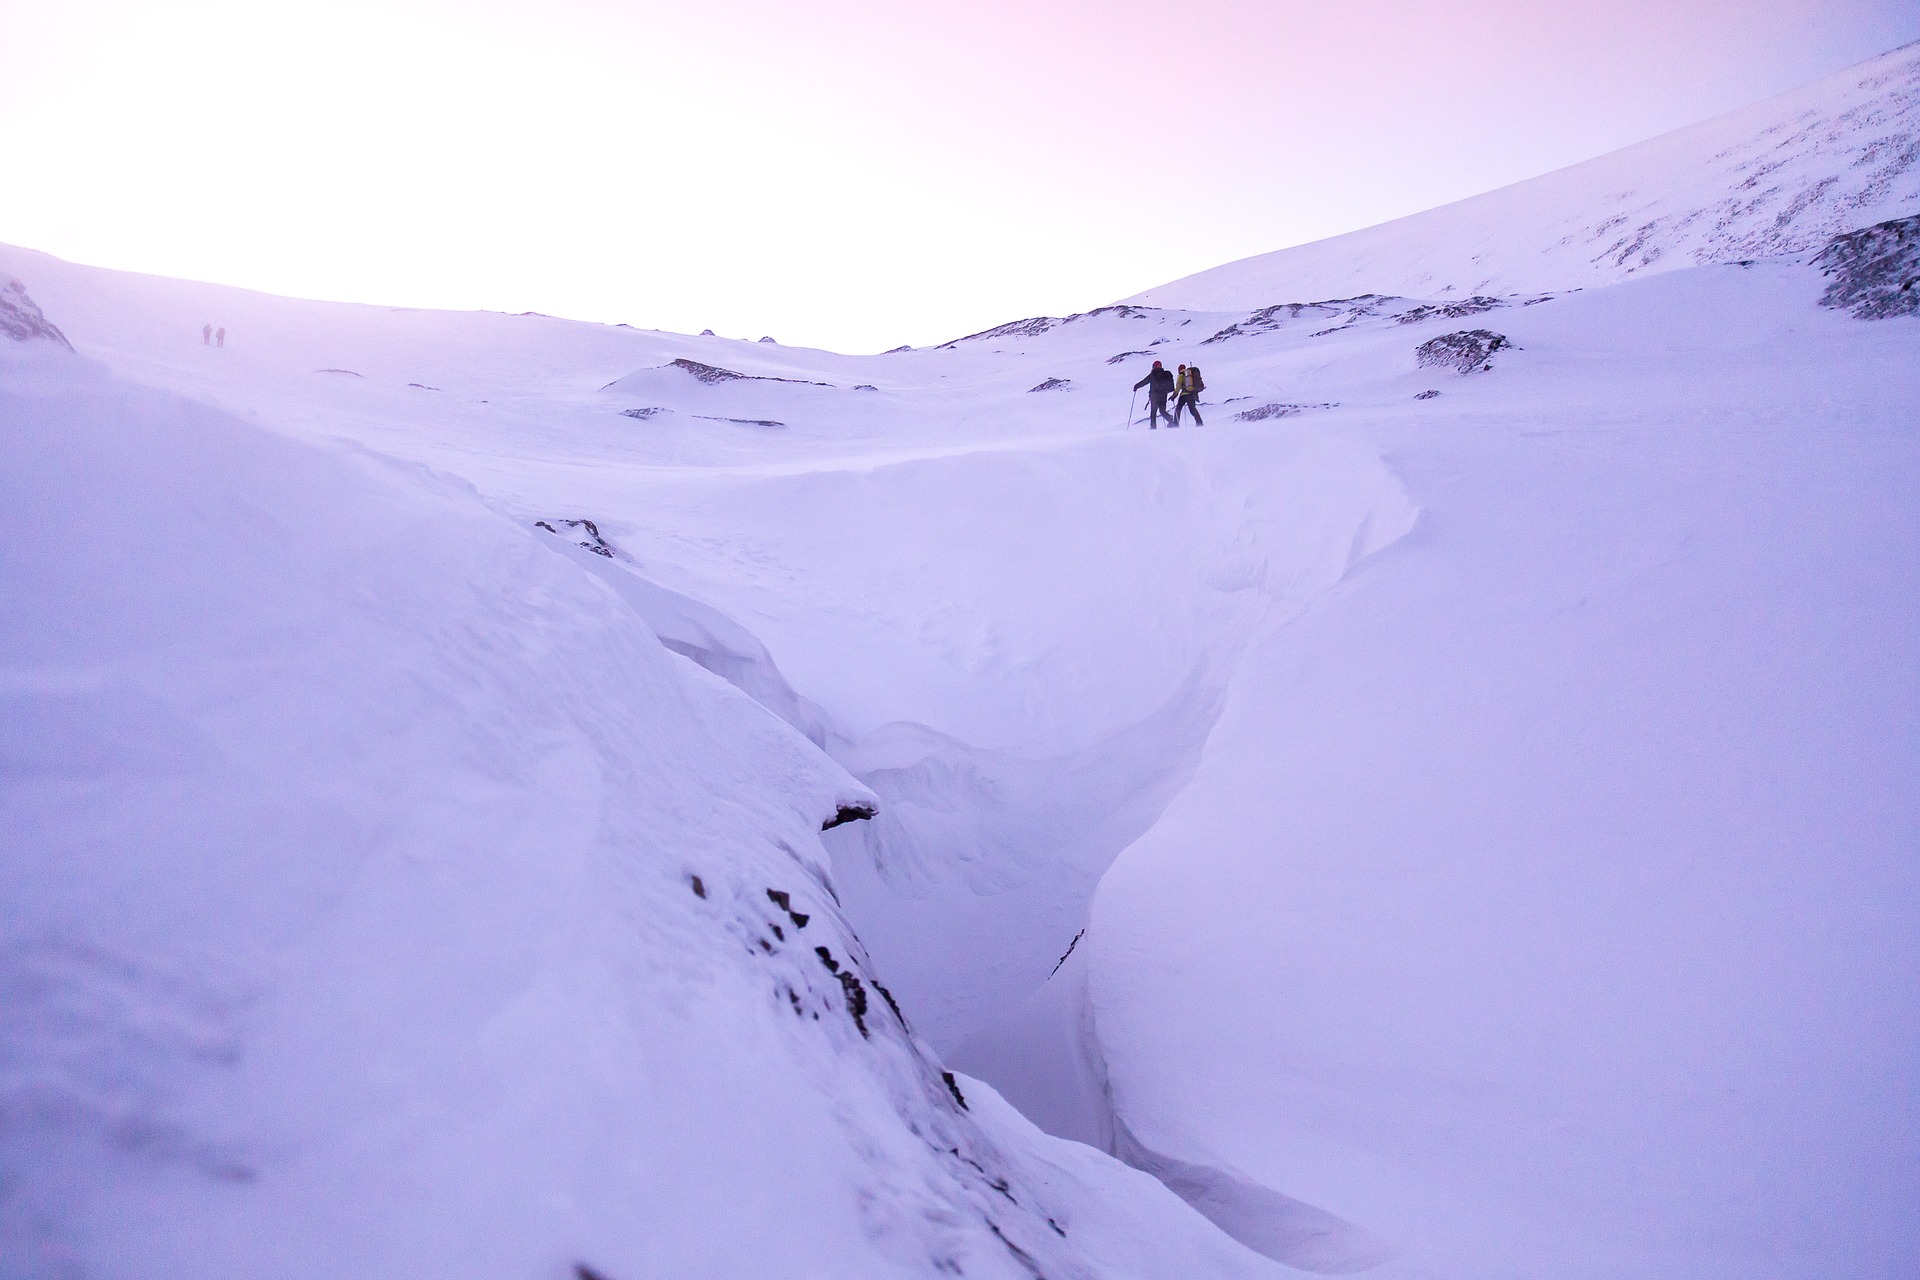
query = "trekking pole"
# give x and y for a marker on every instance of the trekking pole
(1131, 401)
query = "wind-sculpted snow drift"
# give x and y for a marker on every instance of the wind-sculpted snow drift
(1432, 835)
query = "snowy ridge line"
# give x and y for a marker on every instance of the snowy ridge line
(1034, 326)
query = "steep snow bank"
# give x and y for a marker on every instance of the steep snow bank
(382, 898)
(1544, 901)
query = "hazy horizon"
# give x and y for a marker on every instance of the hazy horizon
(852, 177)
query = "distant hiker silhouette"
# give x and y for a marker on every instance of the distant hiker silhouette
(1159, 385)
(220, 337)
(1188, 386)
(206, 335)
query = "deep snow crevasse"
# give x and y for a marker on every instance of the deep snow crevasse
(976, 783)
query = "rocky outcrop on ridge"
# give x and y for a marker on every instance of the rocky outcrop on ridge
(1874, 271)
(1468, 351)
(22, 320)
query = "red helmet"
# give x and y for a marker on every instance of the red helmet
(1156, 364)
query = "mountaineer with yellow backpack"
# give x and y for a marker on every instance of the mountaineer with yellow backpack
(1188, 386)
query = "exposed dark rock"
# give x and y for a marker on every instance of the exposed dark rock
(866, 386)
(1020, 1255)
(708, 373)
(1468, 351)
(699, 886)
(712, 373)
(1051, 384)
(643, 414)
(1875, 272)
(851, 986)
(421, 386)
(581, 1271)
(1427, 394)
(743, 422)
(1449, 310)
(599, 546)
(891, 1004)
(1128, 355)
(1069, 951)
(953, 1087)
(765, 338)
(1271, 318)
(848, 813)
(1266, 411)
(894, 351)
(1031, 327)
(351, 374)
(706, 333)
(781, 899)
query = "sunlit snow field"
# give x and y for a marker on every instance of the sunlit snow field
(1443, 835)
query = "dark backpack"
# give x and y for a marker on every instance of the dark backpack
(1193, 372)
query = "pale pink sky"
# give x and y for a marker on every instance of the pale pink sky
(851, 174)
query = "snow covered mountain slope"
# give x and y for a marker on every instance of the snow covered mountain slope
(381, 898)
(1453, 815)
(1781, 176)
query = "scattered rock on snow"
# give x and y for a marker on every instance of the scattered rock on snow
(1428, 394)
(1128, 355)
(708, 373)
(1449, 310)
(642, 414)
(1031, 327)
(1265, 411)
(848, 813)
(599, 546)
(713, 373)
(1468, 351)
(766, 338)
(743, 422)
(351, 374)
(784, 900)
(1875, 271)
(1051, 384)
(21, 318)
(850, 986)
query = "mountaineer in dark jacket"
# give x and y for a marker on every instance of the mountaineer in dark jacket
(1159, 385)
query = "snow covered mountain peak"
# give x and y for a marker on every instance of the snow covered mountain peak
(1781, 176)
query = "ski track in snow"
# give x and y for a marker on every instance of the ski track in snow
(1443, 834)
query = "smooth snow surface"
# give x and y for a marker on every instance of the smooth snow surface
(1438, 824)
(1782, 176)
